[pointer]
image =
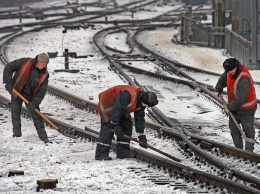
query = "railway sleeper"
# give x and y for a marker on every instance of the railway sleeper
(46, 184)
(15, 172)
(206, 145)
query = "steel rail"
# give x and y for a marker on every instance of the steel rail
(157, 111)
(171, 166)
(197, 150)
(115, 63)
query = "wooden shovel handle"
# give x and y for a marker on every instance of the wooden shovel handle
(153, 148)
(231, 115)
(36, 110)
(236, 123)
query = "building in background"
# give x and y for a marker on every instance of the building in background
(245, 23)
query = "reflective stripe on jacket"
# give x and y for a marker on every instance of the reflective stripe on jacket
(232, 89)
(21, 76)
(107, 100)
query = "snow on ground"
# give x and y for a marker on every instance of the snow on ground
(72, 161)
(69, 161)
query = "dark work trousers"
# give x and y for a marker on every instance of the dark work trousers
(104, 141)
(123, 145)
(106, 136)
(246, 118)
(16, 106)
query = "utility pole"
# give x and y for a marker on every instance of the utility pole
(219, 21)
(235, 16)
(255, 31)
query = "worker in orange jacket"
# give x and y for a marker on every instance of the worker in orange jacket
(114, 107)
(242, 101)
(31, 80)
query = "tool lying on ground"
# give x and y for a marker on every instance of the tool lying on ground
(153, 148)
(235, 121)
(44, 117)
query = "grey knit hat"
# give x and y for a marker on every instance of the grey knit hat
(43, 57)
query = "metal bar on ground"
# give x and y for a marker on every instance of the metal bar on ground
(153, 148)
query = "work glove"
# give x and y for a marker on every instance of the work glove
(9, 87)
(143, 139)
(118, 131)
(31, 107)
(217, 94)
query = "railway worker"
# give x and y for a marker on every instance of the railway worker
(31, 80)
(242, 101)
(114, 107)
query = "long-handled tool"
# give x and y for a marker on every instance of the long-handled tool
(153, 148)
(236, 123)
(44, 117)
(36, 110)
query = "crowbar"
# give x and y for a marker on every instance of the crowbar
(153, 148)
(236, 123)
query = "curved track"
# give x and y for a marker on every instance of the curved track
(187, 145)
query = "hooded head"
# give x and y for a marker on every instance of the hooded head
(149, 98)
(230, 64)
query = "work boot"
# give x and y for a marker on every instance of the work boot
(249, 146)
(122, 151)
(42, 134)
(103, 158)
(238, 142)
(102, 152)
(17, 133)
(46, 141)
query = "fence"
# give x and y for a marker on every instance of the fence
(235, 45)
(238, 47)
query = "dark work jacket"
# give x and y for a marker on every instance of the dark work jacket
(242, 89)
(31, 83)
(108, 98)
(123, 99)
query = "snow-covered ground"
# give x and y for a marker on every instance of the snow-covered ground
(72, 161)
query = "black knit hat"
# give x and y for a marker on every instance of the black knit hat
(149, 98)
(230, 64)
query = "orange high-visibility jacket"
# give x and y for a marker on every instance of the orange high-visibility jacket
(232, 89)
(107, 100)
(21, 76)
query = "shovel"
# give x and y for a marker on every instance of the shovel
(236, 123)
(153, 148)
(44, 117)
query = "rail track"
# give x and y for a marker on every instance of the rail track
(170, 166)
(223, 176)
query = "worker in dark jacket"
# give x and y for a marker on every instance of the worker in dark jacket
(242, 101)
(114, 107)
(31, 80)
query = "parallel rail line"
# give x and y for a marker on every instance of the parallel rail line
(171, 166)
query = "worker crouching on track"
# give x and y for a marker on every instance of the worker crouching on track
(242, 101)
(114, 107)
(31, 80)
